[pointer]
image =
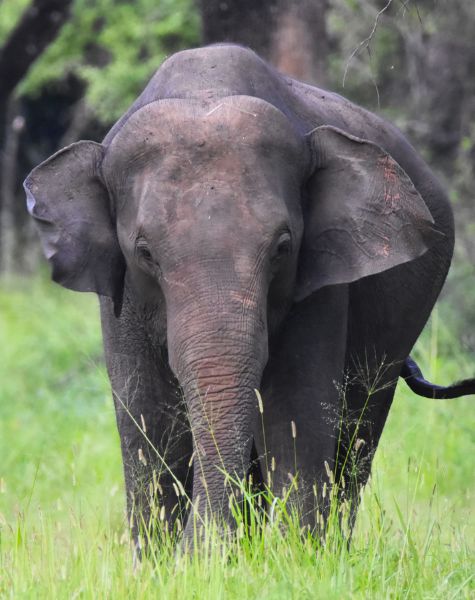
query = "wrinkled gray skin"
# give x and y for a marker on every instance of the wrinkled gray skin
(244, 230)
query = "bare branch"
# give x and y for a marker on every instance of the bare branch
(367, 41)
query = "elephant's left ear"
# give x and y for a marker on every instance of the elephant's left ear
(70, 205)
(363, 216)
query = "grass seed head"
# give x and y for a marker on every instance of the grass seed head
(259, 401)
(329, 472)
(142, 458)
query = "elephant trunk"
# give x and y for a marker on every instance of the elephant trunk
(218, 354)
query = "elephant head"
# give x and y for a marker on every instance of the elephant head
(230, 215)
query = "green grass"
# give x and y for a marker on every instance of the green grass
(63, 531)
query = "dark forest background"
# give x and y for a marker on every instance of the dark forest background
(69, 68)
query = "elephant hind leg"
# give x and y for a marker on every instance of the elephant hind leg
(366, 408)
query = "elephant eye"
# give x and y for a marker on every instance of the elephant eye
(142, 250)
(145, 259)
(282, 249)
(284, 244)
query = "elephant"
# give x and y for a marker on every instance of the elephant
(266, 254)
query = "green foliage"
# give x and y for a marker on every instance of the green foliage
(114, 47)
(10, 12)
(62, 528)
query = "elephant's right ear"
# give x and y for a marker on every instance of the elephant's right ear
(70, 205)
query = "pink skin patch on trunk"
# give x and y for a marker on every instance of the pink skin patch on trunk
(246, 301)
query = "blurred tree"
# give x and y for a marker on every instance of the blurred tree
(113, 47)
(80, 83)
(291, 34)
(37, 28)
(413, 61)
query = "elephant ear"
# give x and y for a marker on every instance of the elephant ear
(364, 214)
(70, 205)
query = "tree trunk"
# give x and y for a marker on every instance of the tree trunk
(37, 28)
(244, 22)
(445, 71)
(8, 179)
(299, 45)
(291, 34)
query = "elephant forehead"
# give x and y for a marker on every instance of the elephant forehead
(202, 130)
(185, 185)
(215, 200)
(236, 168)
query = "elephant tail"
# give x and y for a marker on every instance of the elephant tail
(414, 378)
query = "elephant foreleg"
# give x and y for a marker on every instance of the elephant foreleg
(155, 443)
(154, 433)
